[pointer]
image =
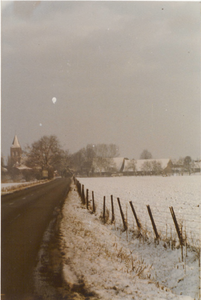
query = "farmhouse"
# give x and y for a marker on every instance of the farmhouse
(124, 166)
(196, 167)
(148, 167)
(107, 166)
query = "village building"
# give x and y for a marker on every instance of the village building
(107, 166)
(148, 166)
(17, 161)
(121, 166)
(15, 151)
(196, 166)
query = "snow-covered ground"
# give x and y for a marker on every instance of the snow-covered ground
(9, 187)
(13, 184)
(115, 265)
(180, 192)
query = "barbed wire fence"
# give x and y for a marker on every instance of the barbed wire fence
(169, 225)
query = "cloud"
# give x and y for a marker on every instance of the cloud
(25, 9)
(114, 66)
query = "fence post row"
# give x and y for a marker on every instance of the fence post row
(153, 223)
(112, 206)
(85, 200)
(179, 232)
(135, 215)
(122, 215)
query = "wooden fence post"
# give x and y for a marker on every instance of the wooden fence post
(78, 186)
(112, 206)
(87, 198)
(80, 189)
(93, 203)
(122, 215)
(83, 195)
(74, 179)
(179, 232)
(104, 209)
(153, 223)
(135, 215)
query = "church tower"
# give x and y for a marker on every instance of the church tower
(15, 151)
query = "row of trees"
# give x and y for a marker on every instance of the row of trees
(47, 154)
(82, 160)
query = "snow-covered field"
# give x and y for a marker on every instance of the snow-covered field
(114, 264)
(183, 193)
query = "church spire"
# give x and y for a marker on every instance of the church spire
(15, 151)
(15, 143)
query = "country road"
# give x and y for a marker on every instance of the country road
(25, 216)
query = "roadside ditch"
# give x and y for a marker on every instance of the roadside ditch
(48, 275)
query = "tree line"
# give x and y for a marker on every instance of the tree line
(47, 154)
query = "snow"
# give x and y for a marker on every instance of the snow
(115, 264)
(140, 162)
(118, 162)
(14, 186)
(8, 185)
(180, 192)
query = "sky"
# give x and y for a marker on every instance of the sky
(126, 73)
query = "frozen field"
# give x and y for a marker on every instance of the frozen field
(183, 193)
(114, 264)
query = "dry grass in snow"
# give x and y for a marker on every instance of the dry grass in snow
(101, 261)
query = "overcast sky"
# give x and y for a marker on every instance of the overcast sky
(126, 73)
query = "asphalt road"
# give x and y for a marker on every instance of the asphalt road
(25, 216)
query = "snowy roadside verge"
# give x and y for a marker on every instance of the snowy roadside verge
(7, 188)
(95, 257)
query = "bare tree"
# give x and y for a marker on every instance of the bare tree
(113, 150)
(83, 160)
(180, 161)
(104, 154)
(156, 167)
(65, 167)
(103, 164)
(106, 150)
(187, 164)
(78, 159)
(131, 166)
(146, 167)
(45, 153)
(145, 154)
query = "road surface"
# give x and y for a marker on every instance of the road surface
(25, 216)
